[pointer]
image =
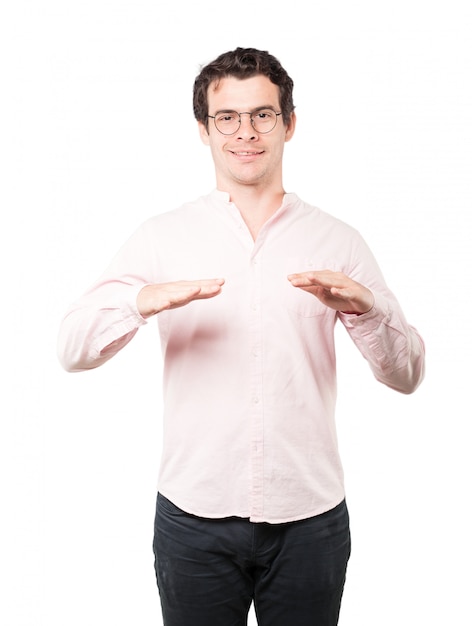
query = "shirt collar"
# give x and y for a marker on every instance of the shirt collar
(223, 196)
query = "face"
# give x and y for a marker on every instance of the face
(246, 157)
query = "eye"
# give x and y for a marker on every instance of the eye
(228, 117)
(264, 116)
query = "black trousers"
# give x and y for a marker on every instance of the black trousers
(210, 571)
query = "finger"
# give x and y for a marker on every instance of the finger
(182, 294)
(202, 289)
(205, 282)
(300, 279)
(208, 292)
(185, 295)
(307, 279)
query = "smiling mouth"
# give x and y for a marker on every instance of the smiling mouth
(246, 152)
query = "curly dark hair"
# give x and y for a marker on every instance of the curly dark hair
(242, 63)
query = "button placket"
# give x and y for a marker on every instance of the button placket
(256, 392)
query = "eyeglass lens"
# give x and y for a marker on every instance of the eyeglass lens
(228, 122)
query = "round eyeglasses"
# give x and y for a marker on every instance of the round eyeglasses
(262, 120)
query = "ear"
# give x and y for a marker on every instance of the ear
(290, 129)
(204, 136)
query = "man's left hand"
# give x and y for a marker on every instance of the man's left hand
(335, 290)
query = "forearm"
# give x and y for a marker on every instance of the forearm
(97, 327)
(394, 350)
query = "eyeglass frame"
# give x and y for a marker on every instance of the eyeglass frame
(250, 113)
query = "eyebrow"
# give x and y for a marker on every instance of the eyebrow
(260, 108)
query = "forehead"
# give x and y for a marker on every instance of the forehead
(242, 95)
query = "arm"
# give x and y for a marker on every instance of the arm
(375, 322)
(107, 316)
(98, 325)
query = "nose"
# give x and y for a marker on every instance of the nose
(246, 130)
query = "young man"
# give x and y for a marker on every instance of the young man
(247, 284)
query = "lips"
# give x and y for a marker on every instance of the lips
(246, 152)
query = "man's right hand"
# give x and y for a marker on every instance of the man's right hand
(153, 299)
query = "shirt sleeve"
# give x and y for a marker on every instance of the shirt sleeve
(394, 349)
(105, 318)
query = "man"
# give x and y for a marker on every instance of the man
(247, 284)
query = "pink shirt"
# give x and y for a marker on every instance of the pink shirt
(249, 375)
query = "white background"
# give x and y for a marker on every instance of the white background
(97, 135)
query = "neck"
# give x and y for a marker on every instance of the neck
(256, 205)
